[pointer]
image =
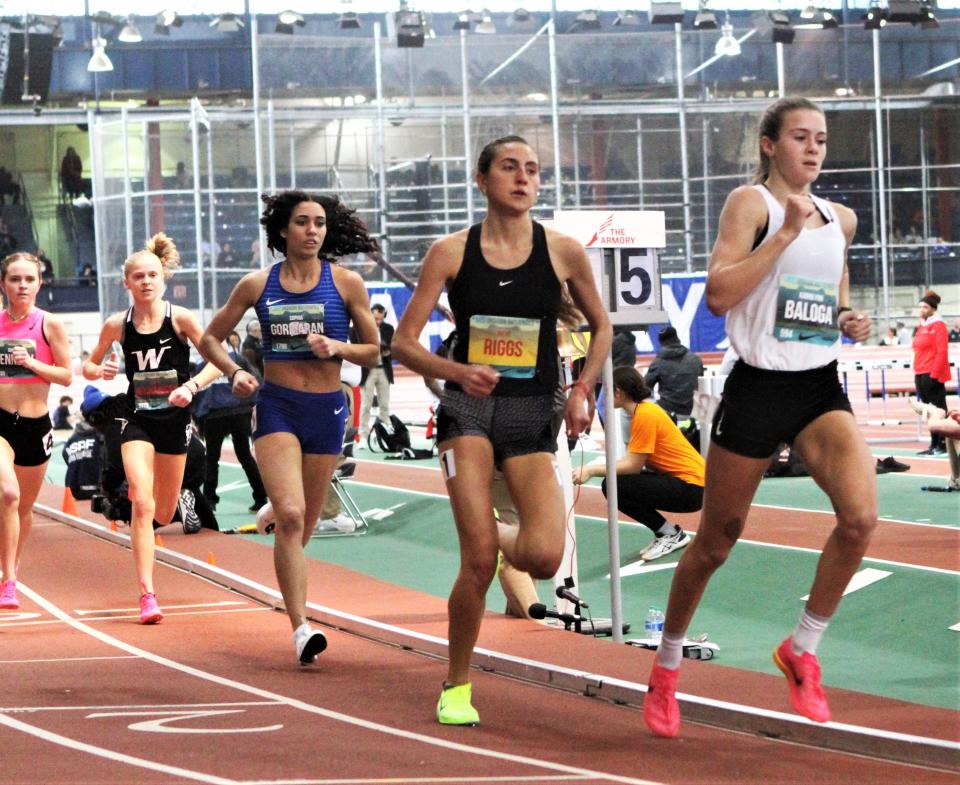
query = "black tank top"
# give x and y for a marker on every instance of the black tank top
(156, 364)
(530, 292)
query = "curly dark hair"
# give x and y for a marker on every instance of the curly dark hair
(346, 232)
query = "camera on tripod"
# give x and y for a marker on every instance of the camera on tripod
(112, 507)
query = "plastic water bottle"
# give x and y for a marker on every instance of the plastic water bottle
(653, 624)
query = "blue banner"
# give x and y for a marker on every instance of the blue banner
(683, 300)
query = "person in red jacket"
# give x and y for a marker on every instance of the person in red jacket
(931, 367)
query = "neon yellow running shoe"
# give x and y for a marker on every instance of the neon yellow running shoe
(454, 706)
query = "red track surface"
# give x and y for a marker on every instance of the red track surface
(82, 690)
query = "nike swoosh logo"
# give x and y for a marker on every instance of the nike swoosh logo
(274, 302)
(807, 337)
(337, 411)
(504, 283)
(165, 340)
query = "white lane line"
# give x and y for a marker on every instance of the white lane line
(65, 659)
(161, 724)
(860, 580)
(642, 568)
(221, 604)
(113, 755)
(133, 616)
(424, 780)
(223, 681)
(956, 627)
(113, 707)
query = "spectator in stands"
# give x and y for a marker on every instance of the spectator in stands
(890, 339)
(8, 186)
(954, 335)
(61, 415)
(252, 347)
(46, 274)
(71, 175)
(904, 337)
(931, 366)
(226, 257)
(254, 263)
(674, 373)
(88, 276)
(376, 381)
(234, 343)
(624, 349)
(182, 177)
(8, 243)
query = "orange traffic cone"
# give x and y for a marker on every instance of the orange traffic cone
(69, 505)
(211, 559)
(158, 540)
(113, 526)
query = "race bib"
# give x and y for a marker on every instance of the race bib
(8, 368)
(291, 324)
(506, 343)
(806, 311)
(152, 389)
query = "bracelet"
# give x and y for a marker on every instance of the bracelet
(195, 385)
(840, 311)
(234, 374)
(578, 385)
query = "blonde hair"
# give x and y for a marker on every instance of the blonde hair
(19, 256)
(161, 248)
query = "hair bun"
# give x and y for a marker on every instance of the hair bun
(931, 298)
(164, 249)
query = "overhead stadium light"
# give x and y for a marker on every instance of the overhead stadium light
(627, 19)
(777, 23)
(130, 34)
(348, 20)
(521, 20)
(909, 11)
(462, 22)
(705, 18)
(818, 20)
(227, 23)
(288, 21)
(485, 26)
(875, 18)
(927, 19)
(166, 20)
(586, 20)
(727, 46)
(666, 13)
(411, 31)
(99, 62)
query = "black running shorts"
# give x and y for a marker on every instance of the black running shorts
(30, 437)
(762, 409)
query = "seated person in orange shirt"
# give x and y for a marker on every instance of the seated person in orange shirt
(661, 470)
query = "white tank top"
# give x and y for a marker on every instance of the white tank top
(789, 321)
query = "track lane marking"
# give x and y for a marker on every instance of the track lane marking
(82, 626)
(41, 622)
(165, 607)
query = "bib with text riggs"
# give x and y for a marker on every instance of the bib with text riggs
(291, 324)
(8, 368)
(806, 311)
(506, 343)
(152, 389)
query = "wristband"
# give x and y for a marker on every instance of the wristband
(232, 375)
(195, 385)
(580, 386)
(840, 311)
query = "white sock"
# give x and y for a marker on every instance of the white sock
(670, 650)
(667, 529)
(806, 637)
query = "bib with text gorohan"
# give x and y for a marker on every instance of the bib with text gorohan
(291, 324)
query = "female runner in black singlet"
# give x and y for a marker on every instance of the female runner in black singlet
(505, 278)
(155, 431)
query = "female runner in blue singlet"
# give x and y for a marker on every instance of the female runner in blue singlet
(304, 305)
(505, 278)
(779, 272)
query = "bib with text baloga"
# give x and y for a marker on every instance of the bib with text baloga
(506, 343)
(152, 389)
(291, 324)
(8, 367)
(806, 311)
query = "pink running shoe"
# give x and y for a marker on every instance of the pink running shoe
(660, 709)
(8, 596)
(803, 677)
(150, 612)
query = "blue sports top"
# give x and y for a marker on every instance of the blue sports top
(286, 318)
